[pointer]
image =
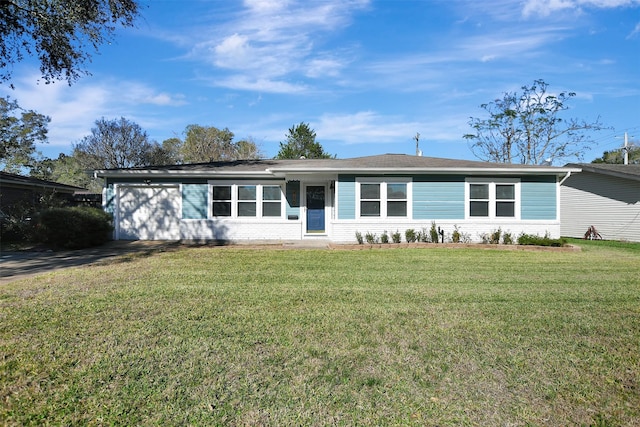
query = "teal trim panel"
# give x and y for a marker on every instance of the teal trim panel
(438, 198)
(110, 199)
(195, 199)
(538, 198)
(346, 187)
(292, 194)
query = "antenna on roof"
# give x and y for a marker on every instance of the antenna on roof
(417, 138)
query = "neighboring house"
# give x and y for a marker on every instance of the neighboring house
(24, 191)
(604, 196)
(331, 199)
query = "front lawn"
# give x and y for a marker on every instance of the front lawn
(229, 336)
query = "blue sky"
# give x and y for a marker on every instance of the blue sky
(367, 75)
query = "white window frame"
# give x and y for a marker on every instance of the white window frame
(259, 200)
(383, 197)
(492, 182)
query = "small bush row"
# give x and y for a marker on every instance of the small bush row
(74, 228)
(437, 235)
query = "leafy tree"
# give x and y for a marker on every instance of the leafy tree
(66, 170)
(208, 144)
(617, 156)
(113, 144)
(166, 154)
(59, 33)
(247, 149)
(301, 142)
(527, 128)
(20, 130)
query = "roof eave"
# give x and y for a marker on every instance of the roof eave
(178, 173)
(439, 171)
(609, 172)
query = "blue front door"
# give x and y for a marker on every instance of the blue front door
(315, 209)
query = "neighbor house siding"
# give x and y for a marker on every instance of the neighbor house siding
(438, 198)
(346, 197)
(195, 201)
(610, 204)
(538, 198)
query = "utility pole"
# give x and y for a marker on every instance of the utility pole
(626, 148)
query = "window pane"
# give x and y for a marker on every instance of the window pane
(246, 209)
(221, 208)
(370, 208)
(479, 191)
(397, 209)
(271, 209)
(505, 209)
(246, 192)
(222, 193)
(370, 191)
(505, 192)
(479, 209)
(271, 192)
(396, 191)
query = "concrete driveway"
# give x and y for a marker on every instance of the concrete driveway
(21, 264)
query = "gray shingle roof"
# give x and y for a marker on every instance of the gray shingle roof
(397, 163)
(10, 179)
(621, 171)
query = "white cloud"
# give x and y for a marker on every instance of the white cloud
(324, 67)
(395, 133)
(547, 7)
(264, 85)
(364, 127)
(74, 109)
(274, 41)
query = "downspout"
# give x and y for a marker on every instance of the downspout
(565, 178)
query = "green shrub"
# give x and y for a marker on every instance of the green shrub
(456, 236)
(529, 239)
(507, 239)
(410, 235)
(396, 237)
(384, 237)
(434, 233)
(359, 237)
(371, 238)
(16, 223)
(494, 238)
(74, 228)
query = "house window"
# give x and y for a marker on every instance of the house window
(397, 199)
(271, 200)
(246, 200)
(383, 198)
(492, 199)
(505, 200)
(369, 199)
(221, 200)
(479, 200)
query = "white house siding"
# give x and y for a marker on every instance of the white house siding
(237, 230)
(345, 231)
(610, 204)
(148, 212)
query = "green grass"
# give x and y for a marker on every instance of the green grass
(225, 336)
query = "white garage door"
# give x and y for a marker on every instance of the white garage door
(148, 213)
